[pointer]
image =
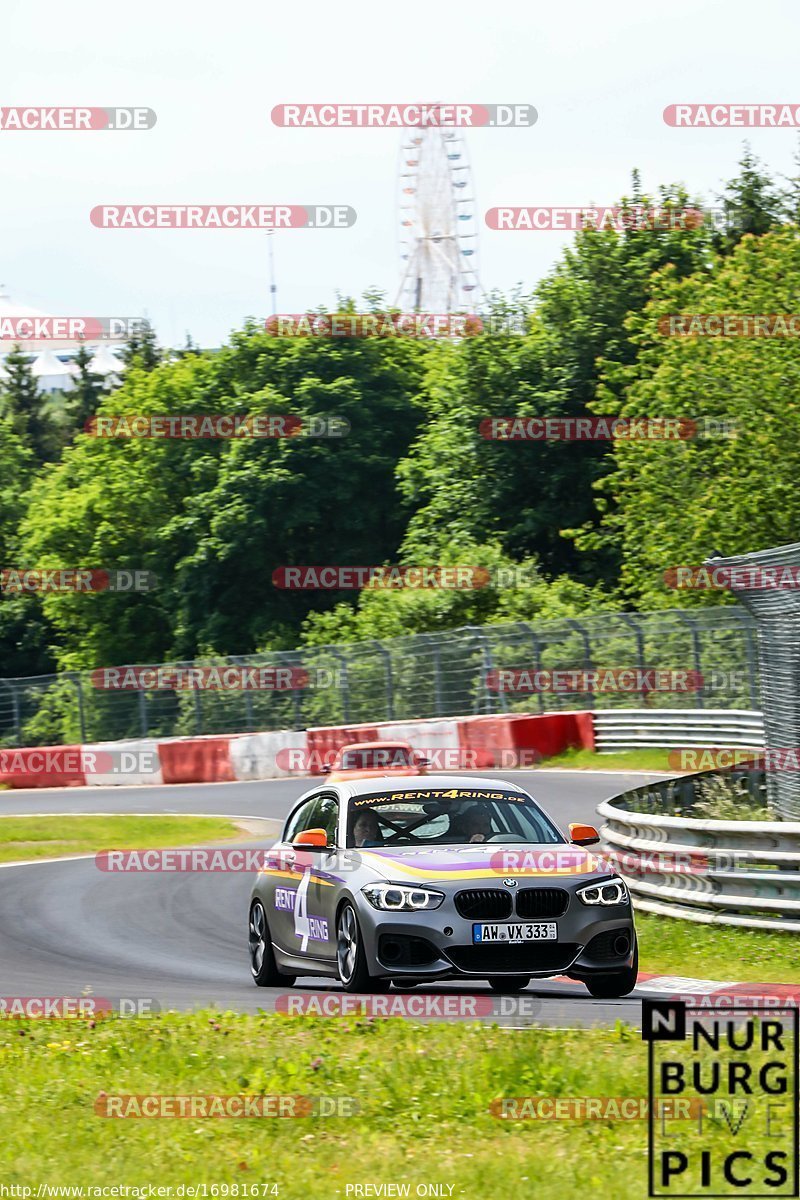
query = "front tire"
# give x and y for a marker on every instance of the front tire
(509, 983)
(617, 983)
(351, 959)
(263, 967)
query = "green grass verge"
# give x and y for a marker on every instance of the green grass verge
(646, 759)
(671, 947)
(424, 1093)
(23, 838)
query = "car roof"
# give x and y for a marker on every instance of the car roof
(359, 787)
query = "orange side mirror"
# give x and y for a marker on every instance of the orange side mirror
(583, 835)
(311, 837)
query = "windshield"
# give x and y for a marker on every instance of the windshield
(375, 758)
(446, 817)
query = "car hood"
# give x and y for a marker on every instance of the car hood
(442, 864)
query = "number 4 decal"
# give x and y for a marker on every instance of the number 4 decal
(302, 928)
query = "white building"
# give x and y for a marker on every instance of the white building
(52, 359)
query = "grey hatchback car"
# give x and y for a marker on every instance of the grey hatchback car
(425, 878)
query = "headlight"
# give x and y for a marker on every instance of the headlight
(398, 897)
(612, 892)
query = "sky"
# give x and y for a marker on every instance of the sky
(599, 75)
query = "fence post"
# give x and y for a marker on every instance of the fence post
(537, 656)
(11, 685)
(749, 649)
(697, 655)
(143, 723)
(587, 651)
(389, 679)
(637, 633)
(76, 679)
(339, 655)
(432, 639)
(488, 665)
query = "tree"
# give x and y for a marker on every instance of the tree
(751, 204)
(214, 519)
(85, 396)
(26, 405)
(142, 347)
(526, 494)
(734, 485)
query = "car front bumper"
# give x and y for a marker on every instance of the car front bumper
(439, 945)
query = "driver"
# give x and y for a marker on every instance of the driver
(366, 830)
(477, 824)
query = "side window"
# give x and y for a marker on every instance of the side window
(302, 819)
(326, 816)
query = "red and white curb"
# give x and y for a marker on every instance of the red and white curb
(713, 993)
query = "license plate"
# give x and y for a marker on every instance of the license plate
(540, 931)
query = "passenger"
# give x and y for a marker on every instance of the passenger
(477, 824)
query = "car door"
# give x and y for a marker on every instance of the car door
(317, 925)
(287, 875)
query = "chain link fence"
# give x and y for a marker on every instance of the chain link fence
(453, 673)
(767, 584)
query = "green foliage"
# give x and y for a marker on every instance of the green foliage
(589, 526)
(667, 503)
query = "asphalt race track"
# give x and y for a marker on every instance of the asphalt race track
(180, 940)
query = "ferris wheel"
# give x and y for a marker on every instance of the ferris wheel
(438, 224)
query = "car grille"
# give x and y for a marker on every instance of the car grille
(483, 904)
(542, 902)
(514, 960)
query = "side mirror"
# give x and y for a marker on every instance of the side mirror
(583, 835)
(326, 769)
(312, 837)
(423, 762)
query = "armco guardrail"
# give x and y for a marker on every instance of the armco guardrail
(744, 873)
(627, 729)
